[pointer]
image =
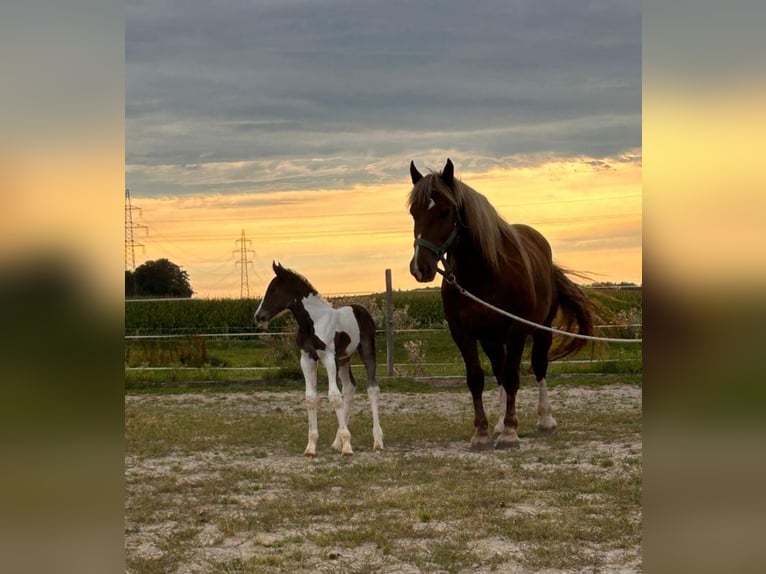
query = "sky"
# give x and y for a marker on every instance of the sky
(295, 122)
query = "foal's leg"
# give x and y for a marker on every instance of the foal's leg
(541, 343)
(349, 387)
(336, 400)
(367, 351)
(309, 368)
(474, 375)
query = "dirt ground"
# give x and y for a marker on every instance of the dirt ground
(211, 547)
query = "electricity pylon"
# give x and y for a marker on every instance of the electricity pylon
(244, 288)
(130, 226)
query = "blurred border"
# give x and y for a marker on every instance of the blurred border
(62, 183)
(61, 244)
(705, 274)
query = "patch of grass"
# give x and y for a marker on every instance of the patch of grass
(561, 502)
(278, 358)
(174, 549)
(451, 554)
(160, 430)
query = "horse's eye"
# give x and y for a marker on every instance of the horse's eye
(444, 213)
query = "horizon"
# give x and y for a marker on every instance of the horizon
(590, 214)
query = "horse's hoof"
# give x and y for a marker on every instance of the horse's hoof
(377, 446)
(507, 440)
(309, 455)
(480, 443)
(546, 424)
(546, 428)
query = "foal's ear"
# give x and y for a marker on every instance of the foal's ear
(277, 267)
(414, 173)
(448, 173)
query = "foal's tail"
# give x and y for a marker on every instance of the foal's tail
(574, 311)
(366, 341)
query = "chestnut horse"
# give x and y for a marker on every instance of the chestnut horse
(508, 266)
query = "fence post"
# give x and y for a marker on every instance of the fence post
(389, 326)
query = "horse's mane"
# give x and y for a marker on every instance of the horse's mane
(489, 230)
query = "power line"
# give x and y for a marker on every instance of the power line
(130, 226)
(377, 213)
(244, 284)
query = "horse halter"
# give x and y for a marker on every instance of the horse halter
(441, 250)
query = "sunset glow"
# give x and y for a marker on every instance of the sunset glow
(344, 239)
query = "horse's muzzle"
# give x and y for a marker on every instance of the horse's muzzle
(423, 272)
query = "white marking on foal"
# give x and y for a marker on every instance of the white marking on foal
(373, 392)
(327, 321)
(347, 323)
(348, 402)
(431, 203)
(309, 368)
(545, 420)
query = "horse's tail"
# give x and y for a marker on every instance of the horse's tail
(574, 311)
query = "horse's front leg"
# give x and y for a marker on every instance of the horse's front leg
(309, 368)
(336, 400)
(475, 380)
(508, 437)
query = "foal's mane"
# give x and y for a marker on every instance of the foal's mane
(487, 227)
(297, 277)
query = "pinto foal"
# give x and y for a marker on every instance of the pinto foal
(331, 336)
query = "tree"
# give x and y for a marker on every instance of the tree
(130, 284)
(160, 278)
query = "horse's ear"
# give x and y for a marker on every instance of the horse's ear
(276, 266)
(414, 173)
(448, 173)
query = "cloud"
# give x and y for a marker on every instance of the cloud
(342, 92)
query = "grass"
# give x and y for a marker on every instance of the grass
(228, 469)
(215, 476)
(273, 362)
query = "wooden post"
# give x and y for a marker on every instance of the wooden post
(389, 326)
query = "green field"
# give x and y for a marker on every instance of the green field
(422, 345)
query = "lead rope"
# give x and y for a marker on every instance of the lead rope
(452, 281)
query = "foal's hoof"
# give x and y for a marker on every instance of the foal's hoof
(309, 455)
